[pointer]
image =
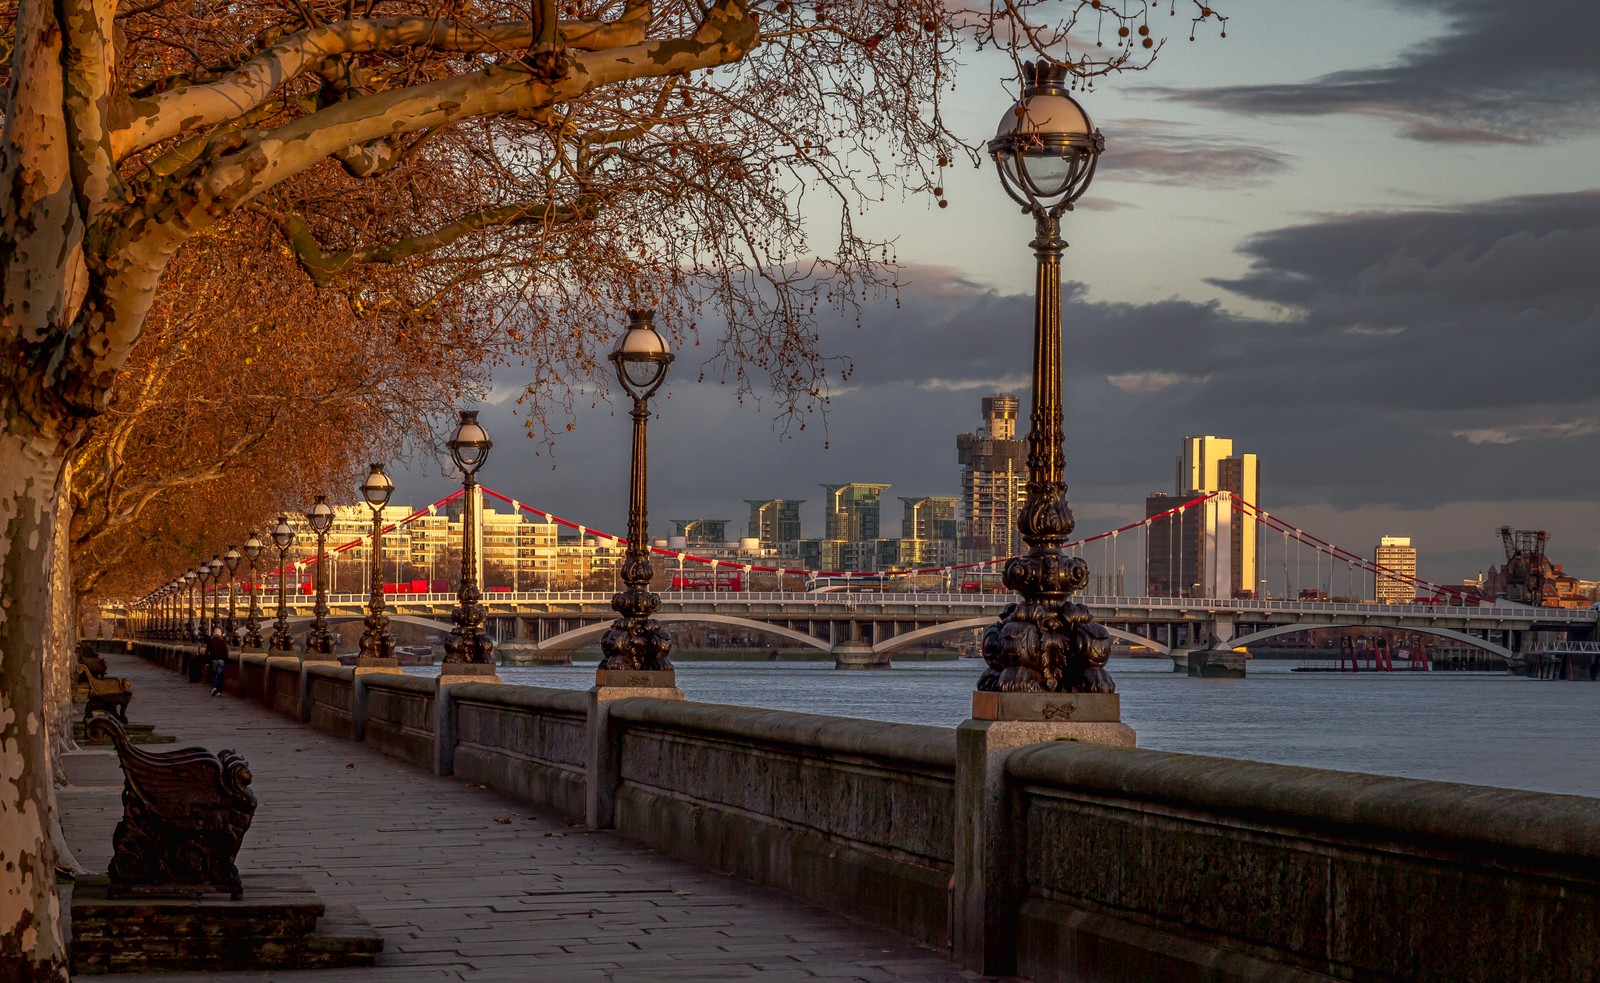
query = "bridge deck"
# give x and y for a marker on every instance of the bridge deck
(466, 884)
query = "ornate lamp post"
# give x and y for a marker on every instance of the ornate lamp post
(216, 593)
(469, 449)
(635, 640)
(202, 577)
(231, 560)
(376, 642)
(1046, 149)
(282, 538)
(320, 518)
(252, 624)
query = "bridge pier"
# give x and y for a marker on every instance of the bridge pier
(858, 655)
(1180, 655)
(1217, 664)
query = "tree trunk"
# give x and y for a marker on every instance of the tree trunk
(61, 645)
(31, 464)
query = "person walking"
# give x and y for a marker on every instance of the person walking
(217, 657)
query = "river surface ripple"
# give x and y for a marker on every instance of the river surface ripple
(1478, 728)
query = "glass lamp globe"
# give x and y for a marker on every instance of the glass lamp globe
(377, 487)
(469, 447)
(641, 355)
(321, 515)
(282, 533)
(1046, 146)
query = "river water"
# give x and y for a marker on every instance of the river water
(1478, 728)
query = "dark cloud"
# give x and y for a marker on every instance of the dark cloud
(1418, 360)
(1501, 73)
(1163, 152)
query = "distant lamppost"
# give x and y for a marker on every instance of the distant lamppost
(376, 642)
(189, 577)
(231, 560)
(320, 519)
(1045, 150)
(282, 538)
(252, 625)
(635, 640)
(202, 577)
(469, 449)
(216, 593)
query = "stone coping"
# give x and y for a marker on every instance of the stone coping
(922, 745)
(330, 670)
(396, 680)
(1560, 830)
(566, 702)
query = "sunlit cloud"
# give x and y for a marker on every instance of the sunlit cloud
(1529, 431)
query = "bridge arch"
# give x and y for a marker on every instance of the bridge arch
(301, 621)
(889, 646)
(1451, 633)
(588, 633)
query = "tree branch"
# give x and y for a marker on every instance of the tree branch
(325, 267)
(166, 114)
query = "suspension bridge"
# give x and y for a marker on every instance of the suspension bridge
(862, 618)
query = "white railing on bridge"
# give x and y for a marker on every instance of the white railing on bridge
(848, 601)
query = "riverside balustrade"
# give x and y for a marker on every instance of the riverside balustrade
(1122, 864)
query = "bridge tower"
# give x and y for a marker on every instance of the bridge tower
(1217, 572)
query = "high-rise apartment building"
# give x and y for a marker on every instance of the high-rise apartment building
(1176, 560)
(1396, 560)
(994, 476)
(927, 531)
(775, 522)
(851, 512)
(701, 532)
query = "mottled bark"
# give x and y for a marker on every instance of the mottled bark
(31, 944)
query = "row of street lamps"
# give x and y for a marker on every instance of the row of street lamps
(1045, 149)
(636, 641)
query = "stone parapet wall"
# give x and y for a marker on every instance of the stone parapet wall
(855, 815)
(1172, 866)
(331, 692)
(525, 741)
(399, 716)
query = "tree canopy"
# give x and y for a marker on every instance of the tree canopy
(437, 165)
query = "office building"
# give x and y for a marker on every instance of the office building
(994, 477)
(1174, 549)
(1396, 560)
(1177, 558)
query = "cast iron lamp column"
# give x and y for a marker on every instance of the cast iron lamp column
(469, 449)
(282, 538)
(1046, 149)
(231, 560)
(637, 641)
(376, 642)
(252, 624)
(202, 575)
(216, 594)
(320, 518)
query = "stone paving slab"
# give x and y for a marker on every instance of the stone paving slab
(459, 896)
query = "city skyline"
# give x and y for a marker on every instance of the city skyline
(1323, 236)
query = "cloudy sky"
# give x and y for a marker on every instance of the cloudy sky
(1364, 243)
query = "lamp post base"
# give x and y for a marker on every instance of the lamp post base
(638, 678)
(467, 672)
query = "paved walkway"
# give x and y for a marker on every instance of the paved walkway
(466, 884)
